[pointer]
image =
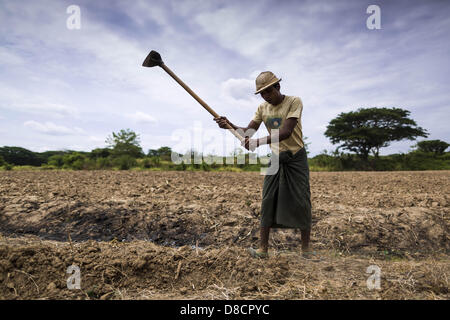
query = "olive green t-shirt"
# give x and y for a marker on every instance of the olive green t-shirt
(274, 117)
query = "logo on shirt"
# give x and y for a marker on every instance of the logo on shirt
(274, 123)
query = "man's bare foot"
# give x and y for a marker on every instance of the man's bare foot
(258, 253)
(311, 255)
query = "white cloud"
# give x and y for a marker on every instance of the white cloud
(96, 139)
(238, 88)
(245, 33)
(322, 50)
(51, 128)
(10, 58)
(48, 109)
(141, 117)
(239, 93)
(13, 99)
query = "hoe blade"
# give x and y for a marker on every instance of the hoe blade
(153, 59)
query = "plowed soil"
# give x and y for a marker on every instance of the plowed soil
(184, 235)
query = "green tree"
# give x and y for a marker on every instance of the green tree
(306, 145)
(100, 153)
(125, 162)
(153, 153)
(2, 161)
(19, 156)
(74, 160)
(125, 142)
(367, 130)
(46, 155)
(56, 160)
(165, 153)
(435, 146)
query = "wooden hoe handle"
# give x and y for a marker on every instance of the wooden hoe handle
(199, 100)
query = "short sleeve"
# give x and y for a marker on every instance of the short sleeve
(258, 116)
(295, 109)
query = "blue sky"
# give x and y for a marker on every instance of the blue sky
(69, 89)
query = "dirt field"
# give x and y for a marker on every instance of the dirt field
(183, 235)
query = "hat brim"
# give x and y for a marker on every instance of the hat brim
(265, 87)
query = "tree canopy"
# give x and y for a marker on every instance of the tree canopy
(125, 142)
(164, 152)
(20, 156)
(369, 129)
(435, 146)
(100, 153)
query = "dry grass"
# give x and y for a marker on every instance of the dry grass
(201, 224)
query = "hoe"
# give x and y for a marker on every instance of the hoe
(154, 59)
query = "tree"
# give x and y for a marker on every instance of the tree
(306, 145)
(367, 130)
(46, 155)
(435, 146)
(73, 160)
(165, 153)
(19, 156)
(100, 153)
(56, 160)
(153, 153)
(125, 142)
(125, 162)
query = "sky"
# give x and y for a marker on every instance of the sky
(69, 88)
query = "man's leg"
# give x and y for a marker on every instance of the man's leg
(305, 239)
(264, 239)
(307, 253)
(262, 252)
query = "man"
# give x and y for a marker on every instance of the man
(286, 194)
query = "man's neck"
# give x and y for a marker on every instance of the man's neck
(281, 100)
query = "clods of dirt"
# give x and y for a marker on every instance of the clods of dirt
(145, 235)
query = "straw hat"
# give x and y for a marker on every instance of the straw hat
(265, 80)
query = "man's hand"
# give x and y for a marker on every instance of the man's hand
(222, 122)
(250, 144)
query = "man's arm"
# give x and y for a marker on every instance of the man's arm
(284, 133)
(222, 121)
